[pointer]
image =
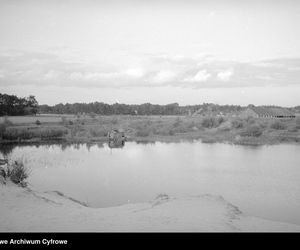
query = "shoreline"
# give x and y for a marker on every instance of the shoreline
(53, 211)
(204, 137)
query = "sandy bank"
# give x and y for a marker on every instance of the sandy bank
(24, 210)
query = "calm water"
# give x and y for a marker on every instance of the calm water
(261, 181)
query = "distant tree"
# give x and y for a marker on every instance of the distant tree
(13, 105)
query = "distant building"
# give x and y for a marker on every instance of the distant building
(268, 112)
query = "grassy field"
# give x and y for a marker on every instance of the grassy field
(44, 118)
(87, 128)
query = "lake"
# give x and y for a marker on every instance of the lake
(262, 181)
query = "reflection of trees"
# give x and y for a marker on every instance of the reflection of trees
(146, 142)
(7, 149)
(100, 144)
(116, 143)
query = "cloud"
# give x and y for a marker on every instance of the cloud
(93, 76)
(51, 75)
(134, 72)
(201, 76)
(225, 75)
(164, 76)
(198, 71)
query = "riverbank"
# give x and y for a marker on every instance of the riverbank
(233, 130)
(26, 210)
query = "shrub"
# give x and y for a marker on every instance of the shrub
(17, 173)
(237, 123)
(37, 122)
(209, 122)
(220, 120)
(254, 131)
(278, 125)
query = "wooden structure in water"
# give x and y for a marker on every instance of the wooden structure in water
(116, 138)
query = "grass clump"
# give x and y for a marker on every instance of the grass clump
(16, 172)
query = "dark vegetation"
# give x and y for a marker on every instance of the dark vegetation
(92, 122)
(100, 108)
(13, 105)
(16, 172)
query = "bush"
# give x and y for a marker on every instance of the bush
(209, 122)
(254, 131)
(16, 172)
(37, 122)
(220, 120)
(278, 125)
(237, 123)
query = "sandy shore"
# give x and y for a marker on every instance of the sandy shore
(25, 210)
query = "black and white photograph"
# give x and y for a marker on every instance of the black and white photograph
(149, 116)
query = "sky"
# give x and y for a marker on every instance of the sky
(160, 51)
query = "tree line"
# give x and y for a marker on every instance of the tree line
(13, 105)
(136, 109)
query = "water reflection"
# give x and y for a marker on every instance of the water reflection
(7, 148)
(116, 144)
(261, 181)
